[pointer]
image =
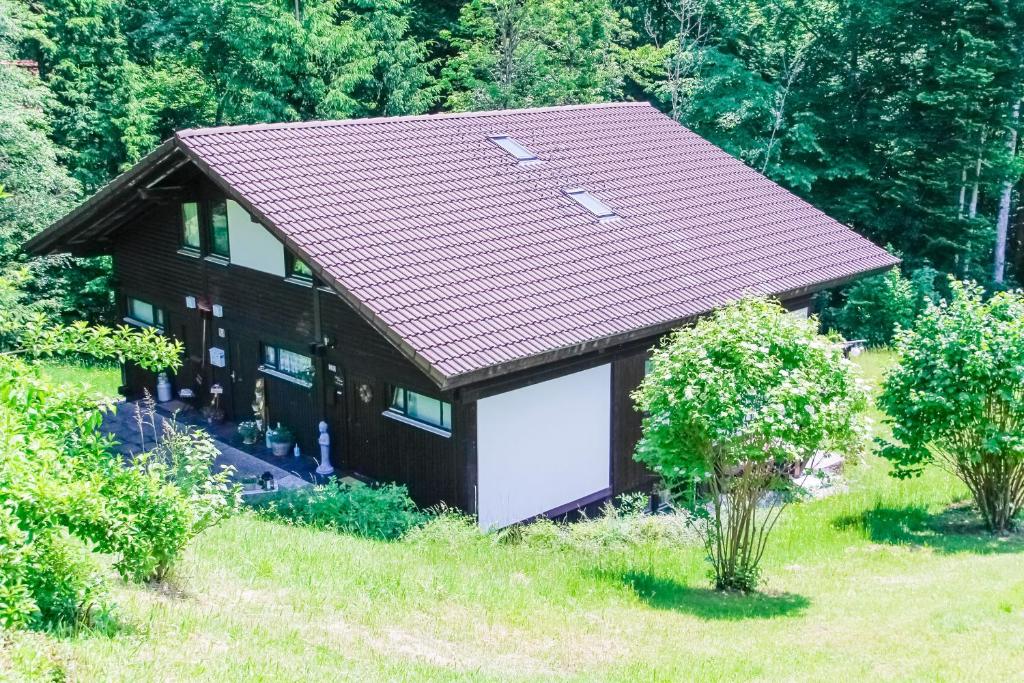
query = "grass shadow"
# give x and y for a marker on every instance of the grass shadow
(668, 594)
(957, 529)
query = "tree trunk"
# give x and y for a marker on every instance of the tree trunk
(972, 212)
(1003, 221)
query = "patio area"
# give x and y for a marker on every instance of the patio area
(251, 463)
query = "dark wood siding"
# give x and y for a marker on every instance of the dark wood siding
(261, 308)
(366, 368)
(627, 474)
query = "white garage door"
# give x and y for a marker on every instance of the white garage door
(543, 446)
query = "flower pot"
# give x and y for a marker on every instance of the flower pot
(280, 448)
(249, 439)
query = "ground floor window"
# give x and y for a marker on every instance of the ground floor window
(143, 313)
(420, 409)
(287, 364)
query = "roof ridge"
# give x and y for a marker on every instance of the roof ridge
(328, 123)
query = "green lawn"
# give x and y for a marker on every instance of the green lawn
(102, 378)
(884, 582)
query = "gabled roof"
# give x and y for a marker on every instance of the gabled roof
(475, 264)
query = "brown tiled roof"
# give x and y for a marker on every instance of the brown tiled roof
(474, 264)
(475, 260)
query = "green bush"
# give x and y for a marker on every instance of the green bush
(732, 403)
(385, 512)
(65, 495)
(955, 398)
(875, 308)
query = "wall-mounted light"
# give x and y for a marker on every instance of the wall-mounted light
(190, 302)
(218, 311)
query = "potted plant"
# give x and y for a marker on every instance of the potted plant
(249, 430)
(281, 441)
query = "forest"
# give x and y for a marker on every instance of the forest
(897, 117)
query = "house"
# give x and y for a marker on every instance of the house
(466, 299)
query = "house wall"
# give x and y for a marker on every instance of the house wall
(259, 306)
(543, 446)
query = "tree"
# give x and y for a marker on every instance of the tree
(522, 53)
(731, 404)
(875, 308)
(955, 398)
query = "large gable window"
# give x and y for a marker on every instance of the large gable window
(419, 410)
(190, 226)
(219, 243)
(144, 314)
(288, 365)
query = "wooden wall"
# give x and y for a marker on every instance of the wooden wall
(263, 308)
(377, 446)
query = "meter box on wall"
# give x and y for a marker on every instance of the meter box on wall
(216, 356)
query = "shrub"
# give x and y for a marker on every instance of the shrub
(731, 404)
(65, 495)
(876, 307)
(384, 512)
(955, 398)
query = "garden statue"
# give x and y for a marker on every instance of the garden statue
(259, 404)
(324, 468)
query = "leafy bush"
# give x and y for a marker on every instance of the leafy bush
(65, 495)
(955, 398)
(731, 404)
(876, 307)
(385, 512)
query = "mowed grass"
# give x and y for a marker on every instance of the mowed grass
(100, 378)
(889, 581)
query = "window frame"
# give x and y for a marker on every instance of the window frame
(399, 411)
(291, 275)
(211, 230)
(273, 367)
(186, 248)
(159, 321)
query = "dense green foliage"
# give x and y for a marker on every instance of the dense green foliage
(956, 398)
(874, 308)
(65, 495)
(731, 404)
(878, 113)
(385, 512)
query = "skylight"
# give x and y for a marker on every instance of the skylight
(512, 147)
(591, 204)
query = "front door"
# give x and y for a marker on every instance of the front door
(363, 416)
(337, 412)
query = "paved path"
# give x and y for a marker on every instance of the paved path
(123, 425)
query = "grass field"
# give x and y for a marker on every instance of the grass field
(888, 581)
(101, 378)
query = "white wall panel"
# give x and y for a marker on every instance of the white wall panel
(543, 446)
(252, 246)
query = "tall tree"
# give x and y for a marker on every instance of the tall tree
(519, 53)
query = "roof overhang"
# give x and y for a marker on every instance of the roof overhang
(651, 334)
(84, 230)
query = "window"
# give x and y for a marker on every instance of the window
(219, 244)
(513, 148)
(421, 410)
(287, 365)
(143, 313)
(591, 204)
(298, 270)
(190, 225)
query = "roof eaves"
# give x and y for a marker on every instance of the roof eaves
(46, 240)
(603, 343)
